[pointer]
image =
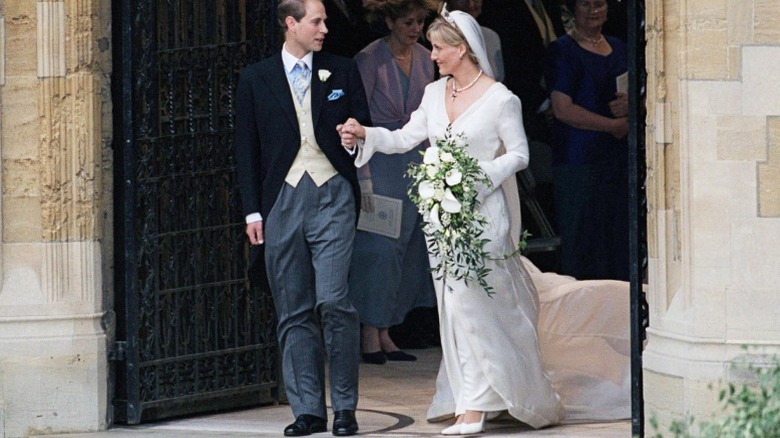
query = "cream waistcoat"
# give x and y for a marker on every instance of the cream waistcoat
(310, 158)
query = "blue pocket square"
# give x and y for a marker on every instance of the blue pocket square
(335, 94)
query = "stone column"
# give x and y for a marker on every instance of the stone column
(56, 223)
(714, 197)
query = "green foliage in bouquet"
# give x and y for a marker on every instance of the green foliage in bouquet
(444, 188)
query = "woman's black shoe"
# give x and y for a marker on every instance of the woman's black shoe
(376, 358)
(400, 356)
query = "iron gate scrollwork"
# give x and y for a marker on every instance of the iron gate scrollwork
(196, 335)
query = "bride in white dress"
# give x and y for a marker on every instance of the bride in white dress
(491, 354)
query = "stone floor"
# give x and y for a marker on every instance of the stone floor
(393, 401)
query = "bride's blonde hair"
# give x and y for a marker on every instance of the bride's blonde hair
(442, 30)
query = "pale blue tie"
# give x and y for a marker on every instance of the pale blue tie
(300, 77)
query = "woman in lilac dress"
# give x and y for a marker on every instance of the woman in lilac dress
(389, 275)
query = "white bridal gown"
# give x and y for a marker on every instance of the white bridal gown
(496, 333)
(584, 334)
(548, 348)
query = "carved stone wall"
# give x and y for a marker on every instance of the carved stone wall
(55, 135)
(714, 196)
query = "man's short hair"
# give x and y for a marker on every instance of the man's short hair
(290, 8)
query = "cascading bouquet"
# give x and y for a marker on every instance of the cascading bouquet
(444, 189)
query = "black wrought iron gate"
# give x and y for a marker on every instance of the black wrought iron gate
(637, 171)
(192, 334)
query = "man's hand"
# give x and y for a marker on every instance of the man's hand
(255, 232)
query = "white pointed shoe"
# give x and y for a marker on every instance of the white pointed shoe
(472, 428)
(452, 430)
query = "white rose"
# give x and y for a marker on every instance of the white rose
(446, 157)
(453, 177)
(324, 74)
(431, 170)
(450, 203)
(431, 155)
(426, 190)
(438, 194)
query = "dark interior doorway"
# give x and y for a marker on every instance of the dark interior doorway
(194, 334)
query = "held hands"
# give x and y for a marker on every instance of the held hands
(350, 131)
(255, 232)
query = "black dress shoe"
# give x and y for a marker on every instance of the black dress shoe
(376, 358)
(399, 355)
(344, 423)
(306, 425)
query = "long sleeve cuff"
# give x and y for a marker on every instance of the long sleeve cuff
(253, 217)
(353, 150)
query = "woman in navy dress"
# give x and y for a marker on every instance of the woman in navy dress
(590, 149)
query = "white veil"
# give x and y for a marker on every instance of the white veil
(470, 29)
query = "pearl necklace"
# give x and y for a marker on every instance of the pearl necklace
(397, 56)
(402, 57)
(594, 41)
(455, 91)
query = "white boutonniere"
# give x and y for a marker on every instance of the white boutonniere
(324, 74)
